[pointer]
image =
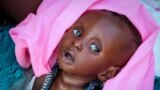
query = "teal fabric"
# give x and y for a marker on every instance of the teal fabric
(10, 71)
(157, 83)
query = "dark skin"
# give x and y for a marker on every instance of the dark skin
(92, 48)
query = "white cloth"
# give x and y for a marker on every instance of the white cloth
(30, 84)
(157, 56)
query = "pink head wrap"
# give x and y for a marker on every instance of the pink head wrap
(38, 35)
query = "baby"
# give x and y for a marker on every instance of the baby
(37, 37)
(94, 49)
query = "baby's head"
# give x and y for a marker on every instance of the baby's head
(98, 45)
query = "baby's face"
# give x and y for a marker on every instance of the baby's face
(91, 44)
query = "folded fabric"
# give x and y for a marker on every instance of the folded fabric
(37, 37)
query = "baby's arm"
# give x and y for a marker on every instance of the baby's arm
(19, 9)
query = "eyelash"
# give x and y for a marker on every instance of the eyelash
(78, 33)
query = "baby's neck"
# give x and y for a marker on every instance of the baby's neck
(66, 81)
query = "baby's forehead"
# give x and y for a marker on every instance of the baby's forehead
(100, 14)
(96, 15)
(102, 20)
(104, 25)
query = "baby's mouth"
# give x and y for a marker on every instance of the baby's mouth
(69, 56)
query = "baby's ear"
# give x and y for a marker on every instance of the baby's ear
(108, 73)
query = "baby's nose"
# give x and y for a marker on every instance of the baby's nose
(78, 44)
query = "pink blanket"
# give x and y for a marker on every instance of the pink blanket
(37, 36)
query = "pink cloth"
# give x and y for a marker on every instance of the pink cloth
(37, 36)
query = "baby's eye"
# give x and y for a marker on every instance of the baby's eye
(77, 32)
(94, 48)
